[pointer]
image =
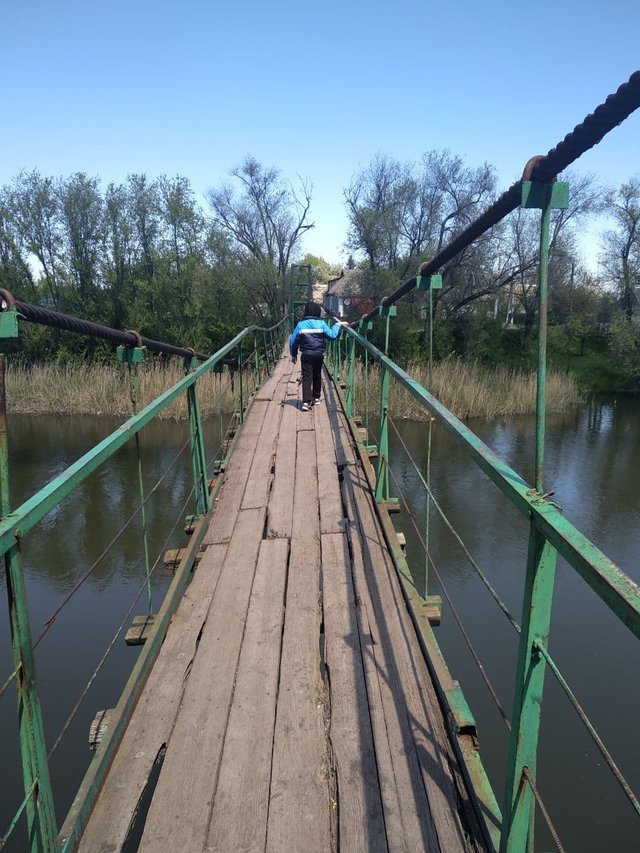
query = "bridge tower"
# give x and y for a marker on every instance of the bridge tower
(301, 291)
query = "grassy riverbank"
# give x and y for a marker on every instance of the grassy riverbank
(466, 388)
(470, 390)
(98, 389)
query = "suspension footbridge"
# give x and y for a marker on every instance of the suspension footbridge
(290, 693)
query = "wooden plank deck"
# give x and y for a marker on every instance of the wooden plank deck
(290, 708)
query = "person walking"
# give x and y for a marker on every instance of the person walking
(309, 337)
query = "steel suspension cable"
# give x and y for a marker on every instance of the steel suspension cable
(590, 728)
(48, 623)
(51, 619)
(612, 112)
(111, 645)
(18, 814)
(538, 797)
(127, 615)
(467, 639)
(459, 539)
(11, 678)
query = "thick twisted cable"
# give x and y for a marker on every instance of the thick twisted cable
(584, 136)
(47, 317)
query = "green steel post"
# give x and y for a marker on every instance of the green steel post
(198, 458)
(266, 352)
(545, 197)
(273, 345)
(240, 383)
(256, 362)
(541, 385)
(431, 283)
(519, 809)
(351, 378)
(366, 382)
(382, 474)
(41, 818)
(132, 357)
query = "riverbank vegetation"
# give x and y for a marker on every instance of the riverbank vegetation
(101, 389)
(466, 388)
(145, 254)
(469, 389)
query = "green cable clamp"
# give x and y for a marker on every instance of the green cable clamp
(130, 355)
(429, 282)
(9, 323)
(535, 194)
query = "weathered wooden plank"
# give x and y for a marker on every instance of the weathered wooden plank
(187, 783)
(256, 493)
(229, 500)
(305, 422)
(345, 453)
(300, 812)
(239, 819)
(360, 818)
(331, 513)
(99, 726)
(140, 630)
(280, 510)
(434, 801)
(387, 735)
(267, 390)
(155, 714)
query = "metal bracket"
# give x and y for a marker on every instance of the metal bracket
(130, 355)
(388, 310)
(536, 194)
(366, 327)
(429, 282)
(9, 323)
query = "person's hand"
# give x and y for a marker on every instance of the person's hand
(343, 323)
(294, 360)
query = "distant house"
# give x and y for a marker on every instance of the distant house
(343, 296)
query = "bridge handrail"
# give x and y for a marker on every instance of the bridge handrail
(612, 585)
(263, 351)
(608, 581)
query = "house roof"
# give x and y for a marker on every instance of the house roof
(346, 284)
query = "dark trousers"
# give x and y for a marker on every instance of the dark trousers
(311, 366)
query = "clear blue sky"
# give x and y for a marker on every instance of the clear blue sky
(316, 89)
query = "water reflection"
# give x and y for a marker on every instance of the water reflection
(592, 459)
(59, 551)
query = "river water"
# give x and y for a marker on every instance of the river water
(593, 457)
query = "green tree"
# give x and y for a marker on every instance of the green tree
(265, 218)
(621, 245)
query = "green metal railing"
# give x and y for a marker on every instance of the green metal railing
(242, 365)
(550, 534)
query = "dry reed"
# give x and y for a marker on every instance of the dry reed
(466, 388)
(98, 389)
(469, 389)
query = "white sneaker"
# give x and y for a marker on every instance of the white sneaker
(317, 401)
(305, 407)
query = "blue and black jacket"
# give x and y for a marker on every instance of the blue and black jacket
(309, 337)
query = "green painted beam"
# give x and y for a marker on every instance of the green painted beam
(27, 515)
(613, 586)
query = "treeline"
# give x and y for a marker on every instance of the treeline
(145, 255)
(401, 214)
